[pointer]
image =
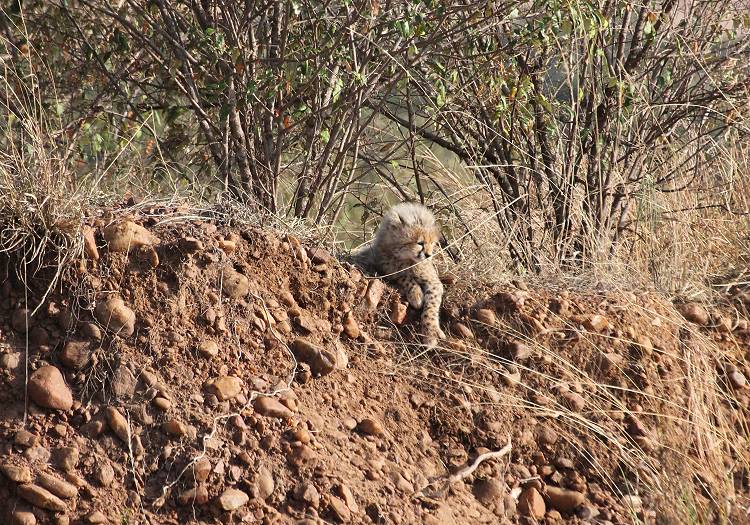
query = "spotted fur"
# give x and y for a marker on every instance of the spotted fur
(404, 244)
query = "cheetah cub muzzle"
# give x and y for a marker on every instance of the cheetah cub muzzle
(401, 252)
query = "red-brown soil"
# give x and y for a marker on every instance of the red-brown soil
(263, 381)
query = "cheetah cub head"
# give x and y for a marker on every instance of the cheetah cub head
(408, 233)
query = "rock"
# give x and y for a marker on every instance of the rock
(190, 245)
(595, 322)
(227, 245)
(24, 438)
(16, 473)
(546, 435)
(306, 492)
(234, 284)
(66, 458)
(126, 235)
(339, 509)
(564, 500)
(174, 428)
(397, 314)
(195, 496)
(56, 486)
(319, 256)
(512, 376)
(574, 401)
(10, 361)
(224, 387)
(66, 320)
(115, 316)
(76, 354)
(642, 346)
(271, 407)
(489, 492)
(520, 351)
(632, 503)
(123, 382)
(351, 328)
(47, 388)
(321, 361)
(232, 499)
(345, 492)
(202, 469)
(612, 362)
(587, 512)
(89, 243)
(531, 504)
(208, 349)
(161, 403)
(264, 484)
(21, 320)
(105, 474)
(485, 316)
(462, 331)
(370, 427)
(23, 517)
(96, 517)
(41, 498)
(694, 313)
(91, 331)
(118, 424)
(737, 379)
(374, 293)
(301, 454)
(37, 454)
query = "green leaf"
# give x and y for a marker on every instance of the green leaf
(325, 135)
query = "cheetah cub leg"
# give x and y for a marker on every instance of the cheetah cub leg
(433, 296)
(412, 291)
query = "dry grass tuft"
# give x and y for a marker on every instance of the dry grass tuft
(43, 201)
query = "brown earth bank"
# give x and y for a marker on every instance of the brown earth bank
(192, 372)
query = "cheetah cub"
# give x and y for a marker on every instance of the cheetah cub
(405, 241)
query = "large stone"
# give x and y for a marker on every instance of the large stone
(321, 360)
(10, 361)
(564, 500)
(531, 504)
(16, 473)
(118, 423)
(264, 483)
(694, 313)
(21, 320)
(271, 407)
(123, 382)
(224, 387)
(56, 486)
(76, 354)
(47, 388)
(374, 293)
(195, 496)
(489, 492)
(234, 284)
(66, 458)
(89, 243)
(23, 517)
(42, 498)
(232, 499)
(485, 316)
(127, 235)
(115, 316)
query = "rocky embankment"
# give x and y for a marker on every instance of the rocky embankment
(187, 372)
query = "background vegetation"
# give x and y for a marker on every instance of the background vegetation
(548, 135)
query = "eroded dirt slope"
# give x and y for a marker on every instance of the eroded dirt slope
(193, 373)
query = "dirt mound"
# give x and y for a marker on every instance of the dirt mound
(193, 373)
